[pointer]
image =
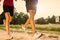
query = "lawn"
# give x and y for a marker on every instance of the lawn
(55, 28)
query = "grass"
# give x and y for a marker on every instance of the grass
(2, 27)
(57, 29)
(47, 28)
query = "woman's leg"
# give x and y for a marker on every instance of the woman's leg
(7, 22)
(31, 12)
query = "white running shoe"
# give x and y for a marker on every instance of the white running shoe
(37, 35)
(23, 28)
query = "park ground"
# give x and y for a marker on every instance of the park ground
(49, 31)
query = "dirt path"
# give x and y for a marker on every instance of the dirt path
(27, 36)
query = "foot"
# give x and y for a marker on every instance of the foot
(9, 36)
(37, 35)
(24, 29)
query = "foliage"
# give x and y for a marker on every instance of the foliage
(19, 18)
(45, 21)
(1, 18)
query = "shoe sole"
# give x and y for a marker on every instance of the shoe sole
(41, 35)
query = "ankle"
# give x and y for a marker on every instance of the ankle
(34, 32)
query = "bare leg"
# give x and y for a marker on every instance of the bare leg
(31, 12)
(7, 22)
(10, 18)
(27, 22)
(31, 21)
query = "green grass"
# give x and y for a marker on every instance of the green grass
(47, 28)
(38, 28)
(2, 27)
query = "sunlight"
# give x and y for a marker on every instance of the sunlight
(40, 8)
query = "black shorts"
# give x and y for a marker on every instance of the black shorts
(30, 5)
(9, 9)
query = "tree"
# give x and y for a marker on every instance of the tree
(22, 18)
(53, 19)
(14, 21)
(49, 19)
(1, 18)
(41, 21)
(19, 18)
